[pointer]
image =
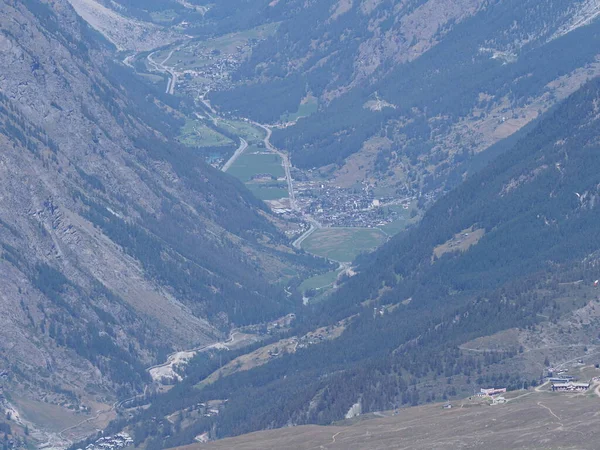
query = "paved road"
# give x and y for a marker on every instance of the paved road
(243, 146)
(128, 59)
(314, 225)
(230, 340)
(267, 140)
(162, 68)
(286, 163)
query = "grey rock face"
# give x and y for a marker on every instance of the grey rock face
(76, 301)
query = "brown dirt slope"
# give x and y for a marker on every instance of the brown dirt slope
(536, 420)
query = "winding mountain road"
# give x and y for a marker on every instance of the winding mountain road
(173, 356)
(160, 66)
(314, 226)
(285, 161)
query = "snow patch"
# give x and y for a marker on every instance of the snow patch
(354, 411)
(586, 13)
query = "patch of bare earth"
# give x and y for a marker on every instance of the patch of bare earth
(342, 7)
(536, 420)
(265, 354)
(523, 179)
(487, 126)
(360, 166)
(461, 242)
(123, 32)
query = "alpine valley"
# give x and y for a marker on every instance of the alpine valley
(220, 218)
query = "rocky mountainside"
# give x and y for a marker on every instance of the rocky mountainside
(410, 92)
(116, 245)
(139, 25)
(119, 244)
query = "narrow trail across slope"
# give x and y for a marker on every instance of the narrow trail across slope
(173, 356)
(334, 436)
(551, 412)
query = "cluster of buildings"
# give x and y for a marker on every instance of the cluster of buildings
(209, 409)
(570, 386)
(213, 68)
(494, 394)
(281, 323)
(273, 327)
(120, 440)
(334, 206)
(566, 383)
(314, 338)
(490, 392)
(202, 438)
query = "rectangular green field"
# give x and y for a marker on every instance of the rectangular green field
(196, 134)
(229, 42)
(343, 244)
(163, 17)
(252, 134)
(268, 191)
(321, 281)
(255, 161)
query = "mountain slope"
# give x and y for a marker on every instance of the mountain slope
(117, 245)
(525, 423)
(412, 90)
(503, 251)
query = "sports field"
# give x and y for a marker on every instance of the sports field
(254, 162)
(343, 244)
(251, 133)
(268, 191)
(322, 281)
(262, 173)
(196, 134)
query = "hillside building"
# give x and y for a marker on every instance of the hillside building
(570, 387)
(492, 391)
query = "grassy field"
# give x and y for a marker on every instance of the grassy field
(402, 222)
(460, 242)
(269, 191)
(321, 281)
(307, 107)
(536, 420)
(156, 79)
(266, 353)
(55, 418)
(343, 244)
(195, 134)
(255, 161)
(252, 134)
